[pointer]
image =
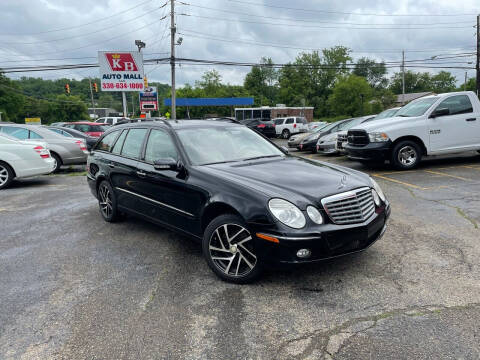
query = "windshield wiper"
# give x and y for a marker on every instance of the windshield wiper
(220, 162)
(260, 157)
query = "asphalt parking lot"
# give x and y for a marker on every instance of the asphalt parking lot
(75, 287)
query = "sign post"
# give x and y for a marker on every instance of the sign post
(121, 71)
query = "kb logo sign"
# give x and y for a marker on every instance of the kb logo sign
(121, 62)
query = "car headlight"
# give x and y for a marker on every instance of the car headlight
(378, 190)
(314, 215)
(287, 213)
(378, 137)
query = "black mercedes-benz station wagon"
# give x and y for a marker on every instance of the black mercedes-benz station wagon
(248, 201)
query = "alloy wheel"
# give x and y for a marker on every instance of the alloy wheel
(407, 156)
(3, 175)
(105, 201)
(231, 250)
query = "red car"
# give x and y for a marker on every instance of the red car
(87, 127)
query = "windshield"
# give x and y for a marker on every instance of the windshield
(225, 144)
(416, 108)
(385, 114)
(349, 124)
(345, 125)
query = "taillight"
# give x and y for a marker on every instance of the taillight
(82, 145)
(294, 125)
(44, 153)
(261, 126)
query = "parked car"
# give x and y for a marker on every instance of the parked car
(264, 126)
(72, 133)
(310, 142)
(285, 127)
(295, 140)
(65, 151)
(110, 120)
(89, 128)
(58, 124)
(336, 144)
(315, 124)
(432, 125)
(225, 185)
(21, 159)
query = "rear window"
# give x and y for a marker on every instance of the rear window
(89, 128)
(107, 142)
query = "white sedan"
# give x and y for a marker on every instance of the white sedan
(20, 159)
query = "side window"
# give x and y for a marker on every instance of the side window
(106, 143)
(109, 121)
(279, 121)
(118, 145)
(34, 135)
(459, 104)
(159, 146)
(16, 132)
(133, 143)
(64, 133)
(289, 121)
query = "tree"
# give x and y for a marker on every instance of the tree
(374, 72)
(261, 82)
(11, 99)
(351, 96)
(211, 82)
(443, 82)
(414, 82)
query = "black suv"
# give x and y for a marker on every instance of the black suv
(248, 201)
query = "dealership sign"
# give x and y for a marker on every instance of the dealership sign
(149, 99)
(121, 71)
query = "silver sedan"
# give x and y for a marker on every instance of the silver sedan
(65, 151)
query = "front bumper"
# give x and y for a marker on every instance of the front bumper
(327, 148)
(324, 241)
(370, 152)
(306, 146)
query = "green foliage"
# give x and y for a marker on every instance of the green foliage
(420, 82)
(11, 99)
(351, 96)
(374, 72)
(262, 83)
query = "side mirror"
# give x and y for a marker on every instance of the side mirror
(440, 112)
(165, 164)
(285, 149)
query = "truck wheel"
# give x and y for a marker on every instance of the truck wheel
(406, 155)
(286, 134)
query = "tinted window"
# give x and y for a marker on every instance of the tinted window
(89, 128)
(133, 143)
(106, 143)
(159, 146)
(16, 132)
(459, 104)
(34, 135)
(118, 145)
(109, 121)
(279, 121)
(289, 121)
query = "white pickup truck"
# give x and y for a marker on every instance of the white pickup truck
(432, 125)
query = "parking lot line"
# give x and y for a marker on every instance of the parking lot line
(448, 175)
(400, 182)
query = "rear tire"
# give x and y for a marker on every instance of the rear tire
(286, 134)
(228, 246)
(58, 162)
(107, 202)
(6, 175)
(406, 155)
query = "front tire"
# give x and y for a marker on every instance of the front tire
(286, 134)
(6, 175)
(406, 155)
(107, 202)
(228, 247)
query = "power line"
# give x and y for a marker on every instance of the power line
(346, 13)
(84, 34)
(320, 21)
(78, 26)
(325, 27)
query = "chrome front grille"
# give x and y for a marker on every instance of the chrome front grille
(350, 207)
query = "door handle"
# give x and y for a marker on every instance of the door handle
(471, 119)
(141, 174)
(111, 165)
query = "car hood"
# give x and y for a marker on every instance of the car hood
(382, 124)
(298, 180)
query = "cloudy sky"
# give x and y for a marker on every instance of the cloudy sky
(46, 32)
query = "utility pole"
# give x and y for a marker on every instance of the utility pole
(403, 77)
(91, 96)
(465, 83)
(172, 56)
(478, 54)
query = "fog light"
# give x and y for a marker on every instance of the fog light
(304, 253)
